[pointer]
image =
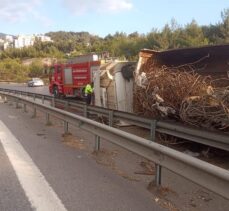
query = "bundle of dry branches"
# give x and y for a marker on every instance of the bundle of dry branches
(205, 111)
(181, 94)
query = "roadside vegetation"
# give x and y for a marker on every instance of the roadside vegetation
(69, 44)
(15, 70)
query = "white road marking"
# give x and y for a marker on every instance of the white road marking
(40, 194)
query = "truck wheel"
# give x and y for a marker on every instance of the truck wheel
(55, 92)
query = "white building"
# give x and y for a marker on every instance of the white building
(28, 40)
(44, 38)
(6, 45)
(9, 38)
(24, 41)
(21, 41)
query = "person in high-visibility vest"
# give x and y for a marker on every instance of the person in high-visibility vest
(89, 89)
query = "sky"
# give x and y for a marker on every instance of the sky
(103, 17)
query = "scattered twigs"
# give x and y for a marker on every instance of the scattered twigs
(205, 111)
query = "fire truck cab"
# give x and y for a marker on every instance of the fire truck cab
(70, 79)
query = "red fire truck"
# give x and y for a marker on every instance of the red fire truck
(70, 79)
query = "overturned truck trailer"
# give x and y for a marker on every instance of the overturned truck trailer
(206, 60)
(190, 85)
(113, 85)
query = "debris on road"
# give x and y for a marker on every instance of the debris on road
(72, 141)
(148, 168)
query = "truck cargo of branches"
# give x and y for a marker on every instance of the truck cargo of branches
(70, 79)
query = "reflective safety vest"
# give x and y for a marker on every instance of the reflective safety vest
(88, 89)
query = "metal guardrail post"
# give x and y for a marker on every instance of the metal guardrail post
(111, 118)
(24, 108)
(97, 143)
(153, 130)
(43, 99)
(2, 97)
(53, 102)
(65, 127)
(34, 97)
(48, 122)
(34, 112)
(85, 113)
(153, 138)
(158, 175)
(10, 102)
(66, 104)
(5, 99)
(17, 103)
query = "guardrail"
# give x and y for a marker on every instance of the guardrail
(207, 175)
(202, 136)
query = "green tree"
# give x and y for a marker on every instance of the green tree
(36, 69)
(224, 28)
(212, 33)
(13, 70)
(193, 35)
(172, 35)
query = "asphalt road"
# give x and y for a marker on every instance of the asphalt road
(23, 87)
(12, 196)
(72, 174)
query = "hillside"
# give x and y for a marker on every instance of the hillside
(71, 36)
(122, 45)
(2, 35)
(70, 41)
